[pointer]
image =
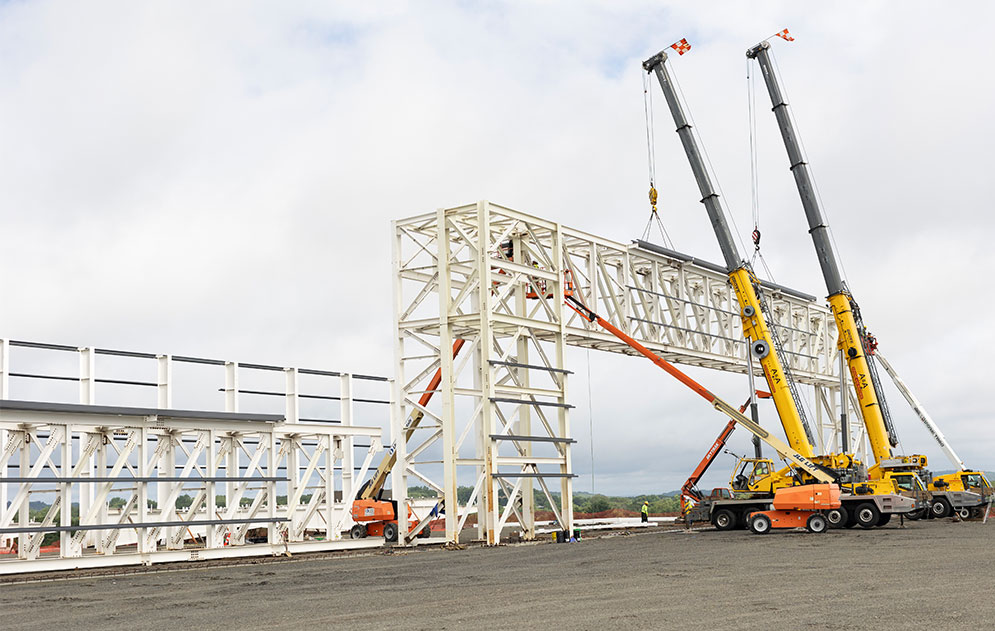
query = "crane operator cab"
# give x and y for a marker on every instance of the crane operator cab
(752, 475)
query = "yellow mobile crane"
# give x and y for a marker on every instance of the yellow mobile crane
(765, 347)
(890, 471)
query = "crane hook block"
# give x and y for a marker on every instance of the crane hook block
(653, 197)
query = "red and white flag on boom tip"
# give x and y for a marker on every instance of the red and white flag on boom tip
(784, 35)
(681, 47)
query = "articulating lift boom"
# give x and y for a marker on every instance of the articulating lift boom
(784, 450)
(374, 515)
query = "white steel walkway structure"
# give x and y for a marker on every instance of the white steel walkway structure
(111, 476)
(495, 277)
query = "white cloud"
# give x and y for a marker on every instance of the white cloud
(218, 179)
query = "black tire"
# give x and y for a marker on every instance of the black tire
(851, 518)
(837, 517)
(916, 515)
(884, 519)
(358, 531)
(760, 524)
(977, 512)
(390, 532)
(424, 533)
(940, 508)
(867, 515)
(817, 523)
(724, 519)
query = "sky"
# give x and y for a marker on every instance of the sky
(218, 179)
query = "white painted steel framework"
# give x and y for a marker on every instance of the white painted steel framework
(111, 475)
(494, 277)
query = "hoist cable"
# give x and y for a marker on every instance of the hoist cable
(648, 113)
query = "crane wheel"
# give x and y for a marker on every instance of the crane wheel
(940, 508)
(760, 524)
(390, 532)
(358, 531)
(837, 517)
(867, 515)
(724, 519)
(916, 515)
(816, 523)
(884, 519)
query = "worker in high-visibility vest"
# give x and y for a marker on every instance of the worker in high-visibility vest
(646, 512)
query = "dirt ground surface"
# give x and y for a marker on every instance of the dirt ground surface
(932, 575)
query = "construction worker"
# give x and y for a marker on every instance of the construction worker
(646, 512)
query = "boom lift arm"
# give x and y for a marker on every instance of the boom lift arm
(690, 488)
(783, 449)
(373, 489)
(762, 338)
(921, 412)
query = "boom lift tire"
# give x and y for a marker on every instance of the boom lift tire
(817, 523)
(358, 531)
(940, 508)
(837, 517)
(760, 524)
(390, 532)
(724, 519)
(867, 515)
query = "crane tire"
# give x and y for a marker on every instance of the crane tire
(837, 517)
(940, 508)
(760, 524)
(724, 519)
(867, 515)
(917, 514)
(884, 519)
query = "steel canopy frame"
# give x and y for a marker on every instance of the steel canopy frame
(495, 276)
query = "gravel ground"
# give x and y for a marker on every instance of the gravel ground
(933, 575)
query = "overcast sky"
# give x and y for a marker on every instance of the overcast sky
(217, 179)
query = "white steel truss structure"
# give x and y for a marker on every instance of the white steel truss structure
(123, 485)
(495, 277)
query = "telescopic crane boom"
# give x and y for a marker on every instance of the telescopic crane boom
(762, 338)
(880, 431)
